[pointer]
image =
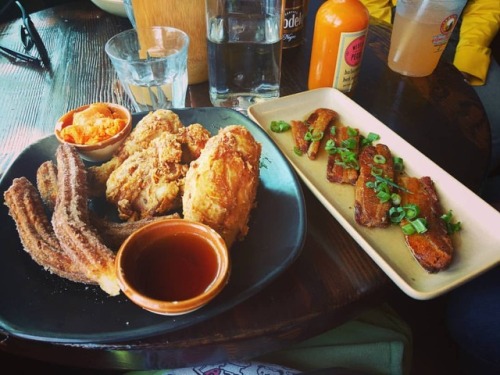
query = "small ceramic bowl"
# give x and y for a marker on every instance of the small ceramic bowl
(173, 266)
(102, 150)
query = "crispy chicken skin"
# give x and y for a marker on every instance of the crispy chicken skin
(150, 182)
(146, 130)
(221, 185)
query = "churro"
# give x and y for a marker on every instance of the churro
(36, 233)
(46, 183)
(71, 222)
(114, 233)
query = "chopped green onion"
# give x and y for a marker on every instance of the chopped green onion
(297, 151)
(330, 147)
(420, 225)
(411, 210)
(396, 199)
(333, 130)
(369, 139)
(311, 136)
(396, 214)
(350, 143)
(383, 196)
(379, 159)
(279, 126)
(390, 182)
(408, 229)
(377, 171)
(398, 164)
(450, 226)
(352, 132)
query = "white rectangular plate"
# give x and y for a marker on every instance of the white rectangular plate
(477, 244)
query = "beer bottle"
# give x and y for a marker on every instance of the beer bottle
(293, 23)
(337, 47)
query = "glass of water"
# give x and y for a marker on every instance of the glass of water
(244, 51)
(151, 66)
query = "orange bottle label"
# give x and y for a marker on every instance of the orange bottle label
(349, 58)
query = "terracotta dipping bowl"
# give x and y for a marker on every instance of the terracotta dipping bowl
(103, 150)
(173, 266)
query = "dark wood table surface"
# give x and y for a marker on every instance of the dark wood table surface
(333, 279)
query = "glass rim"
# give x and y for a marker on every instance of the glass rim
(183, 49)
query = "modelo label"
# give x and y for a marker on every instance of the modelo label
(349, 57)
(292, 27)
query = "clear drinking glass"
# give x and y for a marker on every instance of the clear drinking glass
(152, 66)
(244, 51)
(420, 34)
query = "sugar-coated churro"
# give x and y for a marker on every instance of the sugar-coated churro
(72, 226)
(36, 233)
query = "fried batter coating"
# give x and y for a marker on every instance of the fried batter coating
(150, 181)
(151, 126)
(221, 185)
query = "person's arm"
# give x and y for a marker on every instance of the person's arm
(381, 9)
(480, 24)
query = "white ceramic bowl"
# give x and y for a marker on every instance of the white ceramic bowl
(115, 7)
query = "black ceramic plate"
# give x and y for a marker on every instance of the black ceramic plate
(37, 305)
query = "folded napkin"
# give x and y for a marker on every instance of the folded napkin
(376, 342)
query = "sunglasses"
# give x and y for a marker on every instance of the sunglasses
(30, 39)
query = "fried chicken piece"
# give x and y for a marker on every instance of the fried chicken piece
(369, 211)
(150, 127)
(432, 249)
(149, 182)
(194, 138)
(221, 185)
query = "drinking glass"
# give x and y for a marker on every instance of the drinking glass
(244, 51)
(152, 66)
(420, 34)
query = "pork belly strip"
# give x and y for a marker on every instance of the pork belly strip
(36, 233)
(369, 211)
(318, 123)
(335, 170)
(299, 130)
(432, 249)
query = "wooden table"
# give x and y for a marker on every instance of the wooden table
(333, 279)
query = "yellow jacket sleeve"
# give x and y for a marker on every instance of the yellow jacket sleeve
(480, 24)
(381, 9)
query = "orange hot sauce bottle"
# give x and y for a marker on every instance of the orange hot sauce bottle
(337, 48)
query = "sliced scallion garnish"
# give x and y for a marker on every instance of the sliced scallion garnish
(279, 126)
